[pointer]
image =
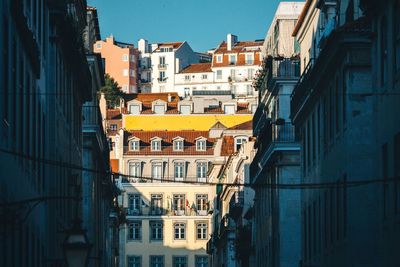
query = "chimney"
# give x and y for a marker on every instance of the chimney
(169, 98)
(230, 41)
(153, 47)
(110, 39)
(143, 46)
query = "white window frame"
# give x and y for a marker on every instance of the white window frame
(228, 109)
(132, 73)
(131, 261)
(230, 59)
(156, 204)
(136, 228)
(125, 57)
(201, 230)
(179, 170)
(201, 261)
(249, 59)
(134, 203)
(156, 145)
(201, 171)
(240, 140)
(183, 263)
(204, 76)
(178, 145)
(134, 145)
(132, 58)
(187, 77)
(159, 226)
(157, 263)
(185, 106)
(202, 204)
(219, 77)
(125, 72)
(201, 145)
(113, 127)
(178, 203)
(219, 58)
(98, 45)
(130, 109)
(179, 231)
(155, 166)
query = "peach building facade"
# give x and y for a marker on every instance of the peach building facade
(120, 62)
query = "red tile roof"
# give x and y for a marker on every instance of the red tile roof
(174, 45)
(238, 47)
(196, 68)
(301, 18)
(150, 97)
(228, 146)
(248, 125)
(113, 114)
(167, 142)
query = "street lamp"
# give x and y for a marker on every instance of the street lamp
(76, 246)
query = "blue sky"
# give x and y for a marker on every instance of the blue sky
(202, 23)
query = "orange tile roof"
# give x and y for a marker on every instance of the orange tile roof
(114, 165)
(196, 68)
(301, 18)
(167, 142)
(150, 97)
(228, 146)
(248, 125)
(113, 114)
(174, 45)
(238, 47)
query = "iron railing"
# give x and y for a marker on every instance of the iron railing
(170, 211)
(163, 179)
(301, 90)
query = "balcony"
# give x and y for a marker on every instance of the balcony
(163, 179)
(236, 204)
(162, 66)
(147, 210)
(279, 70)
(273, 138)
(324, 33)
(212, 92)
(259, 119)
(162, 80)
(93, 124)
(300, 92)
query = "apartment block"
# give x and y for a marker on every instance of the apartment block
(45, 79)
(232, 230)
(229, 74)
(277, 160)
(121, 62)
(167, 59)
(335, 109)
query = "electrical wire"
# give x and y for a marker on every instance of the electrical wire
(296, 186)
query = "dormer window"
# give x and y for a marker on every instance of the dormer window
(229, 109)
(134, 145)
(239, 141)
(159, 106)
(134, 109)
(134, 106)
(232, 59)
(201, 144)
(178, 144)
(156, 144)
